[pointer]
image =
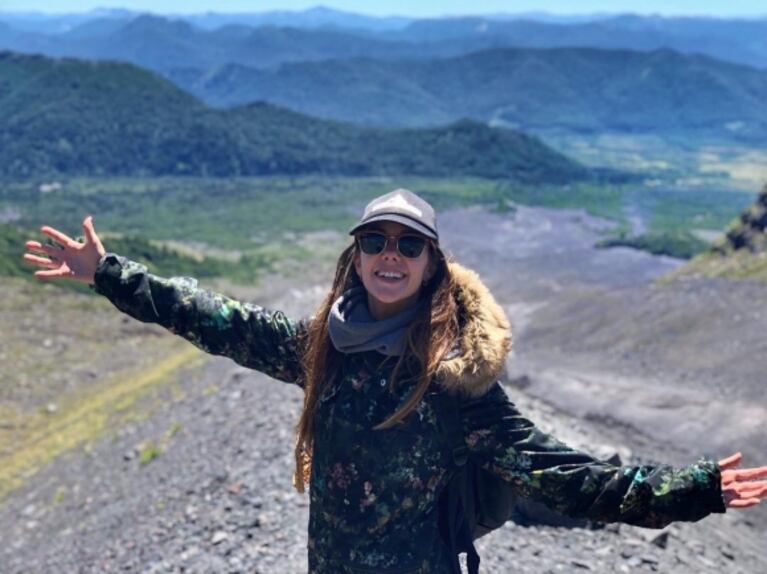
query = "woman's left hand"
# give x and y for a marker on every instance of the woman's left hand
(739, 488)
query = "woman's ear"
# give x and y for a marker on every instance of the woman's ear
(431, 269)
(357, 262)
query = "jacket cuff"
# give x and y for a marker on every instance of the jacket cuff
(109, 268)
(713, 496)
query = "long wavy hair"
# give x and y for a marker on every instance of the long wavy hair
(432, 333)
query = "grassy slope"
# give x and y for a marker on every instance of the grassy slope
(262, 220)
(160, 259)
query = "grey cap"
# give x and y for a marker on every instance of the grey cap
(401, 206)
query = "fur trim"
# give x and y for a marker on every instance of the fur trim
(485, 338)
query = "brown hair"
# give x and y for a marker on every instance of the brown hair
(430, 336)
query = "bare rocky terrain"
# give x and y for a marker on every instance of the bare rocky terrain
(605, 358)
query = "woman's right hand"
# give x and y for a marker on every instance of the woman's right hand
(67, 258)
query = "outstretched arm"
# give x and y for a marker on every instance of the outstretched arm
(576, 484)
(249, 334)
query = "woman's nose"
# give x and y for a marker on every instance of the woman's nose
(390, 248)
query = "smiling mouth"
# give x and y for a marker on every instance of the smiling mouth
(390, 275)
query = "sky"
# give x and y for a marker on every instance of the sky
(419, 8)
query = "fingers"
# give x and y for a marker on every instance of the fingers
(744, 503)
(742, 494)
(752, 489)
(42, 261)
(731, 461)
(749, 489)
(52, 274)
(744, 474)
(47, 249)
(57, 235)
(90, 233)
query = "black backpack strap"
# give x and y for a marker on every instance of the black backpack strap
(457, 503)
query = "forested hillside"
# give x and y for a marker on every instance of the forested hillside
(579, 90)
(105, 118)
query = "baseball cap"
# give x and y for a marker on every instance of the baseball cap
(404, 207)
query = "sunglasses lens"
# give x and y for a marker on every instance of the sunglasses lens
(372, 243)
(410, 246)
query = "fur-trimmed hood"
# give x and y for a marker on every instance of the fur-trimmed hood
(485, 338)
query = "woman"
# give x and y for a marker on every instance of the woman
(401, 327)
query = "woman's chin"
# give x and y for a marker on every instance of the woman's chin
(388, 298)
(391, 296)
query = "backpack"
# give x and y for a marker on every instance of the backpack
(475, 501)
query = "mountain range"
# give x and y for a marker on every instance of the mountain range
(107, 118)
(312, 18)
(741, 41)
(428, 72)
(160, 44)
(431, 72)
(215, 39)
(574, 89)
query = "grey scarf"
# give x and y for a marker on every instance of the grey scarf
(353, 329)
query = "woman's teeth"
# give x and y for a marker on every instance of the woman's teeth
(389, 274)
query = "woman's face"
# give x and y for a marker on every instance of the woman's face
(392, 281)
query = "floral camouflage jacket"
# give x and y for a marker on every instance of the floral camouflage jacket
(374, 494)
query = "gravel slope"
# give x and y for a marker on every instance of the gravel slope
(218, 499)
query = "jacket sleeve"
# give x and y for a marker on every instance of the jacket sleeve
(573, 483)
(248, 334)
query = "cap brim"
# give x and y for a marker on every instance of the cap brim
(402, 219)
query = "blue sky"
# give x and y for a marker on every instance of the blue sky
(418, 8)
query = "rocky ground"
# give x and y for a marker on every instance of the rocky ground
(213, 493)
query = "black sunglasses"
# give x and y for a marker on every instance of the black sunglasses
(373, 243)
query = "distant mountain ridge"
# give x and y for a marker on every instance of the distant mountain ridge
(57, 23)
(104, 118)
(739, 41)
(315, 17)
(160, 44)
(575, 89)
